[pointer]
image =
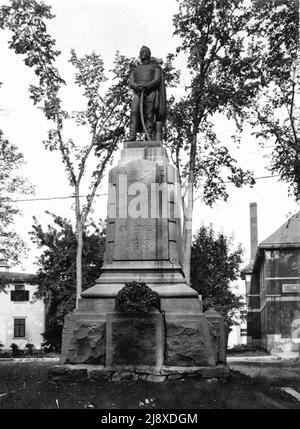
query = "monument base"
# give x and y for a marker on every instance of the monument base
(98, 373)
(96, 334)
(143, 244)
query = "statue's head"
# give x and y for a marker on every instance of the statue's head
(145, 53)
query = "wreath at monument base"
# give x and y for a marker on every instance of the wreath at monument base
(136, 297)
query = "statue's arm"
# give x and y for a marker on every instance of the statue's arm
(155, 81)
(132, 83)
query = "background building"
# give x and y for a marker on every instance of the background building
(273, 287)
(22, 319)
(237, 336)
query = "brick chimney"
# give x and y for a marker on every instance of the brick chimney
(253, 231)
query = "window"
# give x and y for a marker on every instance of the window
(19, 294)
(19, 328)
(243, 332)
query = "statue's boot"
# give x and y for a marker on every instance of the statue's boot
(133, 126)
(150, 127)
(158, 131)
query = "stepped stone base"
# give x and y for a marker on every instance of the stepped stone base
(143, 244)
(109, 338)
(98, 373)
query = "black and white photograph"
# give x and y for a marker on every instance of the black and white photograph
(149, 208)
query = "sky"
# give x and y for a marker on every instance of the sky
(105, 26)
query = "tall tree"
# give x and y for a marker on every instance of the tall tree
(215, 264)
(106, 114)
(276, 115)
(224, 79)
(57, 273)
(11, 185)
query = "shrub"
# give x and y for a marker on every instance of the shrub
(47, 347)
(15, 349)
(137, 297)
(30, 348)
(52, 336)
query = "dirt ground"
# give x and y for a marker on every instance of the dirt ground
(25, 386)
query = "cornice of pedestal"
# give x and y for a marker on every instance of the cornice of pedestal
(142, 143)
(152, 151)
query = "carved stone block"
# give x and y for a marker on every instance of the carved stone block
(84, 341)
(135, 339)
(189, 341)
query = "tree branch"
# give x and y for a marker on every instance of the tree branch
(84, 159)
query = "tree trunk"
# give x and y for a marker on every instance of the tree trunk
(79, 263)
(188, 234)
(188, 214)
(79, 234)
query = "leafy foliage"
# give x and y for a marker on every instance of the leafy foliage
(105, 117)
(30, 348)
(11, 185)
(106, 114)
(214, 266)
(223, 79)
(136, 297)
(15, 349)
(26, 20)
(56, 277)
(276, 114)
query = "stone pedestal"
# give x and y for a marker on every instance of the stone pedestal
(143, 244)
(135, 340)
(144, 226)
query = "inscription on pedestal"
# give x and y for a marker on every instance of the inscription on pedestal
(140, 229)
(141, 239)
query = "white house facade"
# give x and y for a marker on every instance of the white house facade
(22, 317)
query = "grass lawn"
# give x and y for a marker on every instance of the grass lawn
(247, 352)
(276, 374)
(27, 387)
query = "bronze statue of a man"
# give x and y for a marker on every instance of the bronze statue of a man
(148, 107)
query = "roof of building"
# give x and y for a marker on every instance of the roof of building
(12, 277)
(4, 263)
(288, 235)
